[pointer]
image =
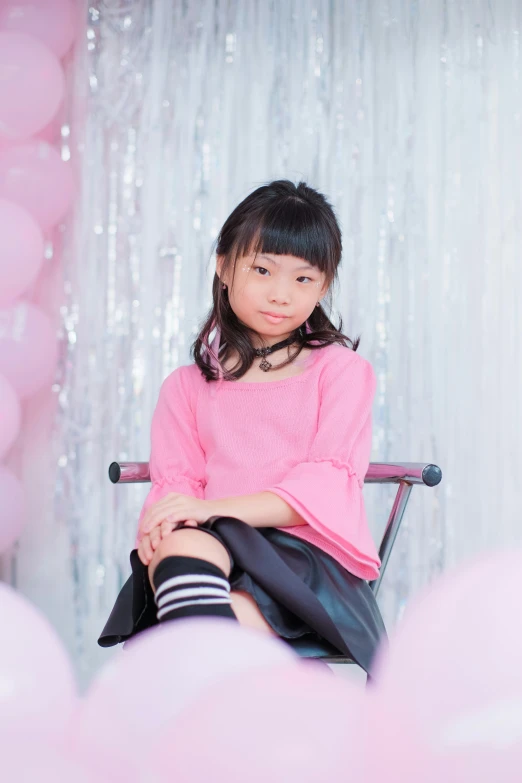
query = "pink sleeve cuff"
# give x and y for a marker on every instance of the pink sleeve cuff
(328, 495)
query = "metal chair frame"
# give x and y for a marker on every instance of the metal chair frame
(405, 474)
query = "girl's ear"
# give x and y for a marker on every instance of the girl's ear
(324, 291)
(219, 266)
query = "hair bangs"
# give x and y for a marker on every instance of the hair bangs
(290, 229)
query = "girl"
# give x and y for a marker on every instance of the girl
(260, 447)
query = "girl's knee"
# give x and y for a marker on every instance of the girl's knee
(190, 542)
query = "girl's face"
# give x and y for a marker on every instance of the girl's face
(269, 283)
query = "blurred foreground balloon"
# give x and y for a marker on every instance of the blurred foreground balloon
(454, 667)
(290, 724)
(37, 685)
(158, 674)
(27, 758)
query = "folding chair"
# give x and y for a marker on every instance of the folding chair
(405, 474)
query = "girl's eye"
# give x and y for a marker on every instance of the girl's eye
(266, 270)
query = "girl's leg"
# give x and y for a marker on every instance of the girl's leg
(193, 543)
(247, 612)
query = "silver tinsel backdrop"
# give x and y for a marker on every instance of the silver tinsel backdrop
(407, 115)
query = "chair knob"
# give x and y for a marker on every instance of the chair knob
(114, 472)
(432, 475)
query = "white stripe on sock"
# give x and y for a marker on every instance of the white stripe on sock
(192, 579)
(191, 592)
(173, 607)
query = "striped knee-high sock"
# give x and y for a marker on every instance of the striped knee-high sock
(190, 587)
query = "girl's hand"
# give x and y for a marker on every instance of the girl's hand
(149, 542)
(173, 509)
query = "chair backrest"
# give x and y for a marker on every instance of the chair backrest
(405, 474)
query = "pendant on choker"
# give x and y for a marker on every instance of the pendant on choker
(265, 365)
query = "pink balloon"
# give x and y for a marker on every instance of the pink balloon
(293, 724)
(34, 176)
(454, 667)
(28, 348)
(388, 748)
(164, 668)
(51, 132)
(31, 85)
(41, 695)
(471, 762)
(21, 251)
(12, 510)
(10, 416)
(51, 21)
(32, 759)
(479, 746)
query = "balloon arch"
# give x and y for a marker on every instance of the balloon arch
(36, 193)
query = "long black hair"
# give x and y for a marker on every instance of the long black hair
(283, 219)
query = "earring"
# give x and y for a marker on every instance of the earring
(223, 286)
(318, 303)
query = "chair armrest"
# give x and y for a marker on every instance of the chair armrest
(129, 472)
(411, 472)
(378, 473)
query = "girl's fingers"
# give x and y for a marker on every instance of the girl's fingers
(141, 553)
(166, 529)
(148, 525)
(156, 514)
(155, 538)
(147, 549)
(154, 522)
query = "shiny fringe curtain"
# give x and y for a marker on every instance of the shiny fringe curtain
(407, 115)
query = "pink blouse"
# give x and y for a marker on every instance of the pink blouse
(307, 438)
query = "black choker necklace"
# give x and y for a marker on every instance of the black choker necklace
(265, 364)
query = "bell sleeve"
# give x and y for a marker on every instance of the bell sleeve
(177, 461)
(327, 489)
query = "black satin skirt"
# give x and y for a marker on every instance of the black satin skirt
(303, 593)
